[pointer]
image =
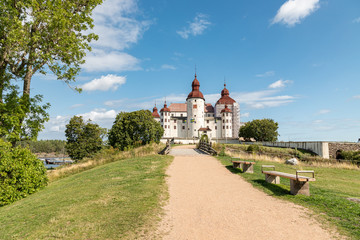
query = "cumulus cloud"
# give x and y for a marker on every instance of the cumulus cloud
(105, 83)
(293, 11)
(356, 97)
(196, 27)
(99, 115)
(280, 83)
(99, 60)
(118, 25)
(266, 74)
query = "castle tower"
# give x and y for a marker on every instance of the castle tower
(155, 114)
(233, 106)
(165, 120)
(226, 120)
(195, 110)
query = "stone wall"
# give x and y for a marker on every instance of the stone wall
(335, 146)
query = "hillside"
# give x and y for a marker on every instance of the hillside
(114, 201)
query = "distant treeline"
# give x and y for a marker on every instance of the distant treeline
(44, 146)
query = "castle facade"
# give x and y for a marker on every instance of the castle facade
(195, 117)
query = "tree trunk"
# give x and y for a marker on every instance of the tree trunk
(27, 80)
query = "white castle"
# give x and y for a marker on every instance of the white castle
(195, 117)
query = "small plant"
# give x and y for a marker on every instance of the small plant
(222, 151)
(253, 148)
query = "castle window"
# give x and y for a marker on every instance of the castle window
(172, 115)
(194, 106)
(165, 126)
(181, 115)
(223, 114)
(226, 114)
(174, 121)
(215, 127)
(194, 115)
(207, 121)
(183, 127)
(174, 127)
(227, 127)
(227, 120)
(223, 127)
(165, 119)
(162, 120)
(223, 121)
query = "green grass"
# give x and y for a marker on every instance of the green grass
(328, 192)
(119, 200)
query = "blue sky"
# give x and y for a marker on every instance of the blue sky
(295, 61)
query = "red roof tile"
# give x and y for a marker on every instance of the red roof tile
(195, 93)
(209, 108)
(225, 98)
(178, 107)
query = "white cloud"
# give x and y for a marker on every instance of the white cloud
(99, 60)
(266, 74)
(356, 20)
(280, 83)
(324, 111)
(77, 105)
(167, 66)
(356, 97)
(293, 11)
(196, 27)
(105, 83)
(246, 115)
(117, 25)
(99, 115)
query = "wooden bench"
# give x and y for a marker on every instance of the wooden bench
(246, 166)
(298, 184)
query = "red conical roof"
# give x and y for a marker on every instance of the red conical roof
(225, 98)
(195, 93)
(165, 108)
(155, 113)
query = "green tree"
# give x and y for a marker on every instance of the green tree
(44, 35)
(260, 129)
(83, 138)
(40, 36)
(134, 128)
(21, 118)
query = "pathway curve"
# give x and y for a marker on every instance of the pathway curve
(209, 202)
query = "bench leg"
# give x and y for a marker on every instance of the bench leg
(272, 179)
(297, 187)
(236, 165)
(249, 168)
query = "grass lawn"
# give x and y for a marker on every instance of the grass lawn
(119, 200)
(328, 192)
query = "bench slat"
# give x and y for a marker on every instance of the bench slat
(290, 176)
(243, 162)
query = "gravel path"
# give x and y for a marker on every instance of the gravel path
(209, 202)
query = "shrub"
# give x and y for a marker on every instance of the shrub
(21, 173)
(253, 148)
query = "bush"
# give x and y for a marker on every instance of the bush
(253, 148)
(21, 173)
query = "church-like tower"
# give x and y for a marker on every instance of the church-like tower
(195, 110)
(165, 120)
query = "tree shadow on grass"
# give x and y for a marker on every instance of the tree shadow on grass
(276, 189)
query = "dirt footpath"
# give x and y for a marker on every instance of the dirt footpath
(209, 202)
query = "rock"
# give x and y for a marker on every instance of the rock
(292, 161)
